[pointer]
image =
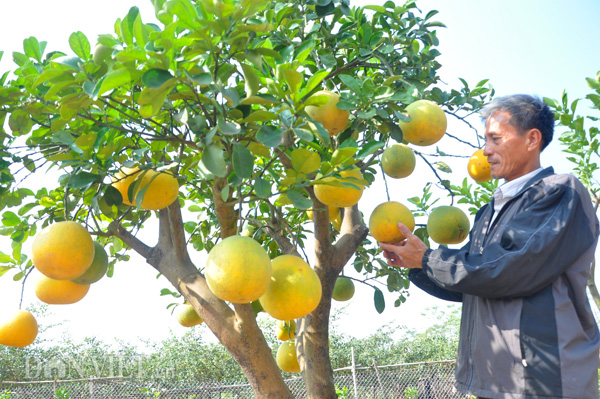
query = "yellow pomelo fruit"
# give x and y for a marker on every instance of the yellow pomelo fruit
(334, 212)
(383, 223)
(343, 289)
(448, 225)
(286, 357)
(18, 329)
(238, 270)
(398, 160)
(187, 315)
(63, 250)
(295, 289)
(341, 197)
(333, 119)
(162, 189)
(286, 330)
(337, 223)
(59, 292)
(97, 269)
(427, 125)
(479, 167)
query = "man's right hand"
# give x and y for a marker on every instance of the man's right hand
(407, 253)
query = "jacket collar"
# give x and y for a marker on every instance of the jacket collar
(539, 176)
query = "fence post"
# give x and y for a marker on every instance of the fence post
(354, 373)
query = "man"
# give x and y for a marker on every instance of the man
(527, 329)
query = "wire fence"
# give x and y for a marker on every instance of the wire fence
(427, 380)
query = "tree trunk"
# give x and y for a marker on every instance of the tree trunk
(236, 330)
(313, 352)
(313, 338)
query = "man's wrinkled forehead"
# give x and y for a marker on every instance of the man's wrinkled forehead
(500, 117)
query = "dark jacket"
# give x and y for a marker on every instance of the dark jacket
(527, 328)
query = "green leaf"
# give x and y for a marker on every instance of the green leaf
(369, 148)
(10, 219)
(304, 50)
(166, 291)
(270, 136)
(80, 45)
(262, 188)
(251, 80)
(83, 180)
(313, 82)
(293, 79)
(261, 116)
(379, 301)
(228, 128)
(353, 83)
(140, 34)
(443, 167)
(395, 131)
(243, 161)
(299, 200)
(112, 196)
(20, 122)
(114, 79)
(593, 83)
(341, 155)
(155, 78)
(33, 48)
(72, 62)
(203, 78)
(303, 134)
(305, 161)
(213, 159)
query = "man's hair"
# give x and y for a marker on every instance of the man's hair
(526, 113)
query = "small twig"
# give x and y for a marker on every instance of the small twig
(23, 286)
(438, 176)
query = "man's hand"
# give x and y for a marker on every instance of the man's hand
(408, 253)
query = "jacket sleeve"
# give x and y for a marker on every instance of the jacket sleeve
(551, 231)
(421, 280)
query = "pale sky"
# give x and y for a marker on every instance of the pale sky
(535, 46)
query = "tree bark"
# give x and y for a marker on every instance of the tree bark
(313, 338)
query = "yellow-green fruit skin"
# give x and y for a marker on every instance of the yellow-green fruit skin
(427, 125)
(238, 270)
(398, 161)
(341, 197)
(59, 292)
(286, 357)
(63, 250)
(187, 315)
(332, 118)
(18, 329)
(343, 289)
(97, 269)
(448, 225)
(295, 289)
(383, 222)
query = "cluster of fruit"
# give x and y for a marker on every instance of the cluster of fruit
(68, 261)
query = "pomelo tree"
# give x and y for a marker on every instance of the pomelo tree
(580, 139)
(216, 95)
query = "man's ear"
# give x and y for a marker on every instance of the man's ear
(534, 139)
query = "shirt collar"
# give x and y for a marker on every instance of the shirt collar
(511, 188)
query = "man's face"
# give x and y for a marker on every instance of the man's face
(506, 149)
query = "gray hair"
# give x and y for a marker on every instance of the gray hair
(526, 113)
